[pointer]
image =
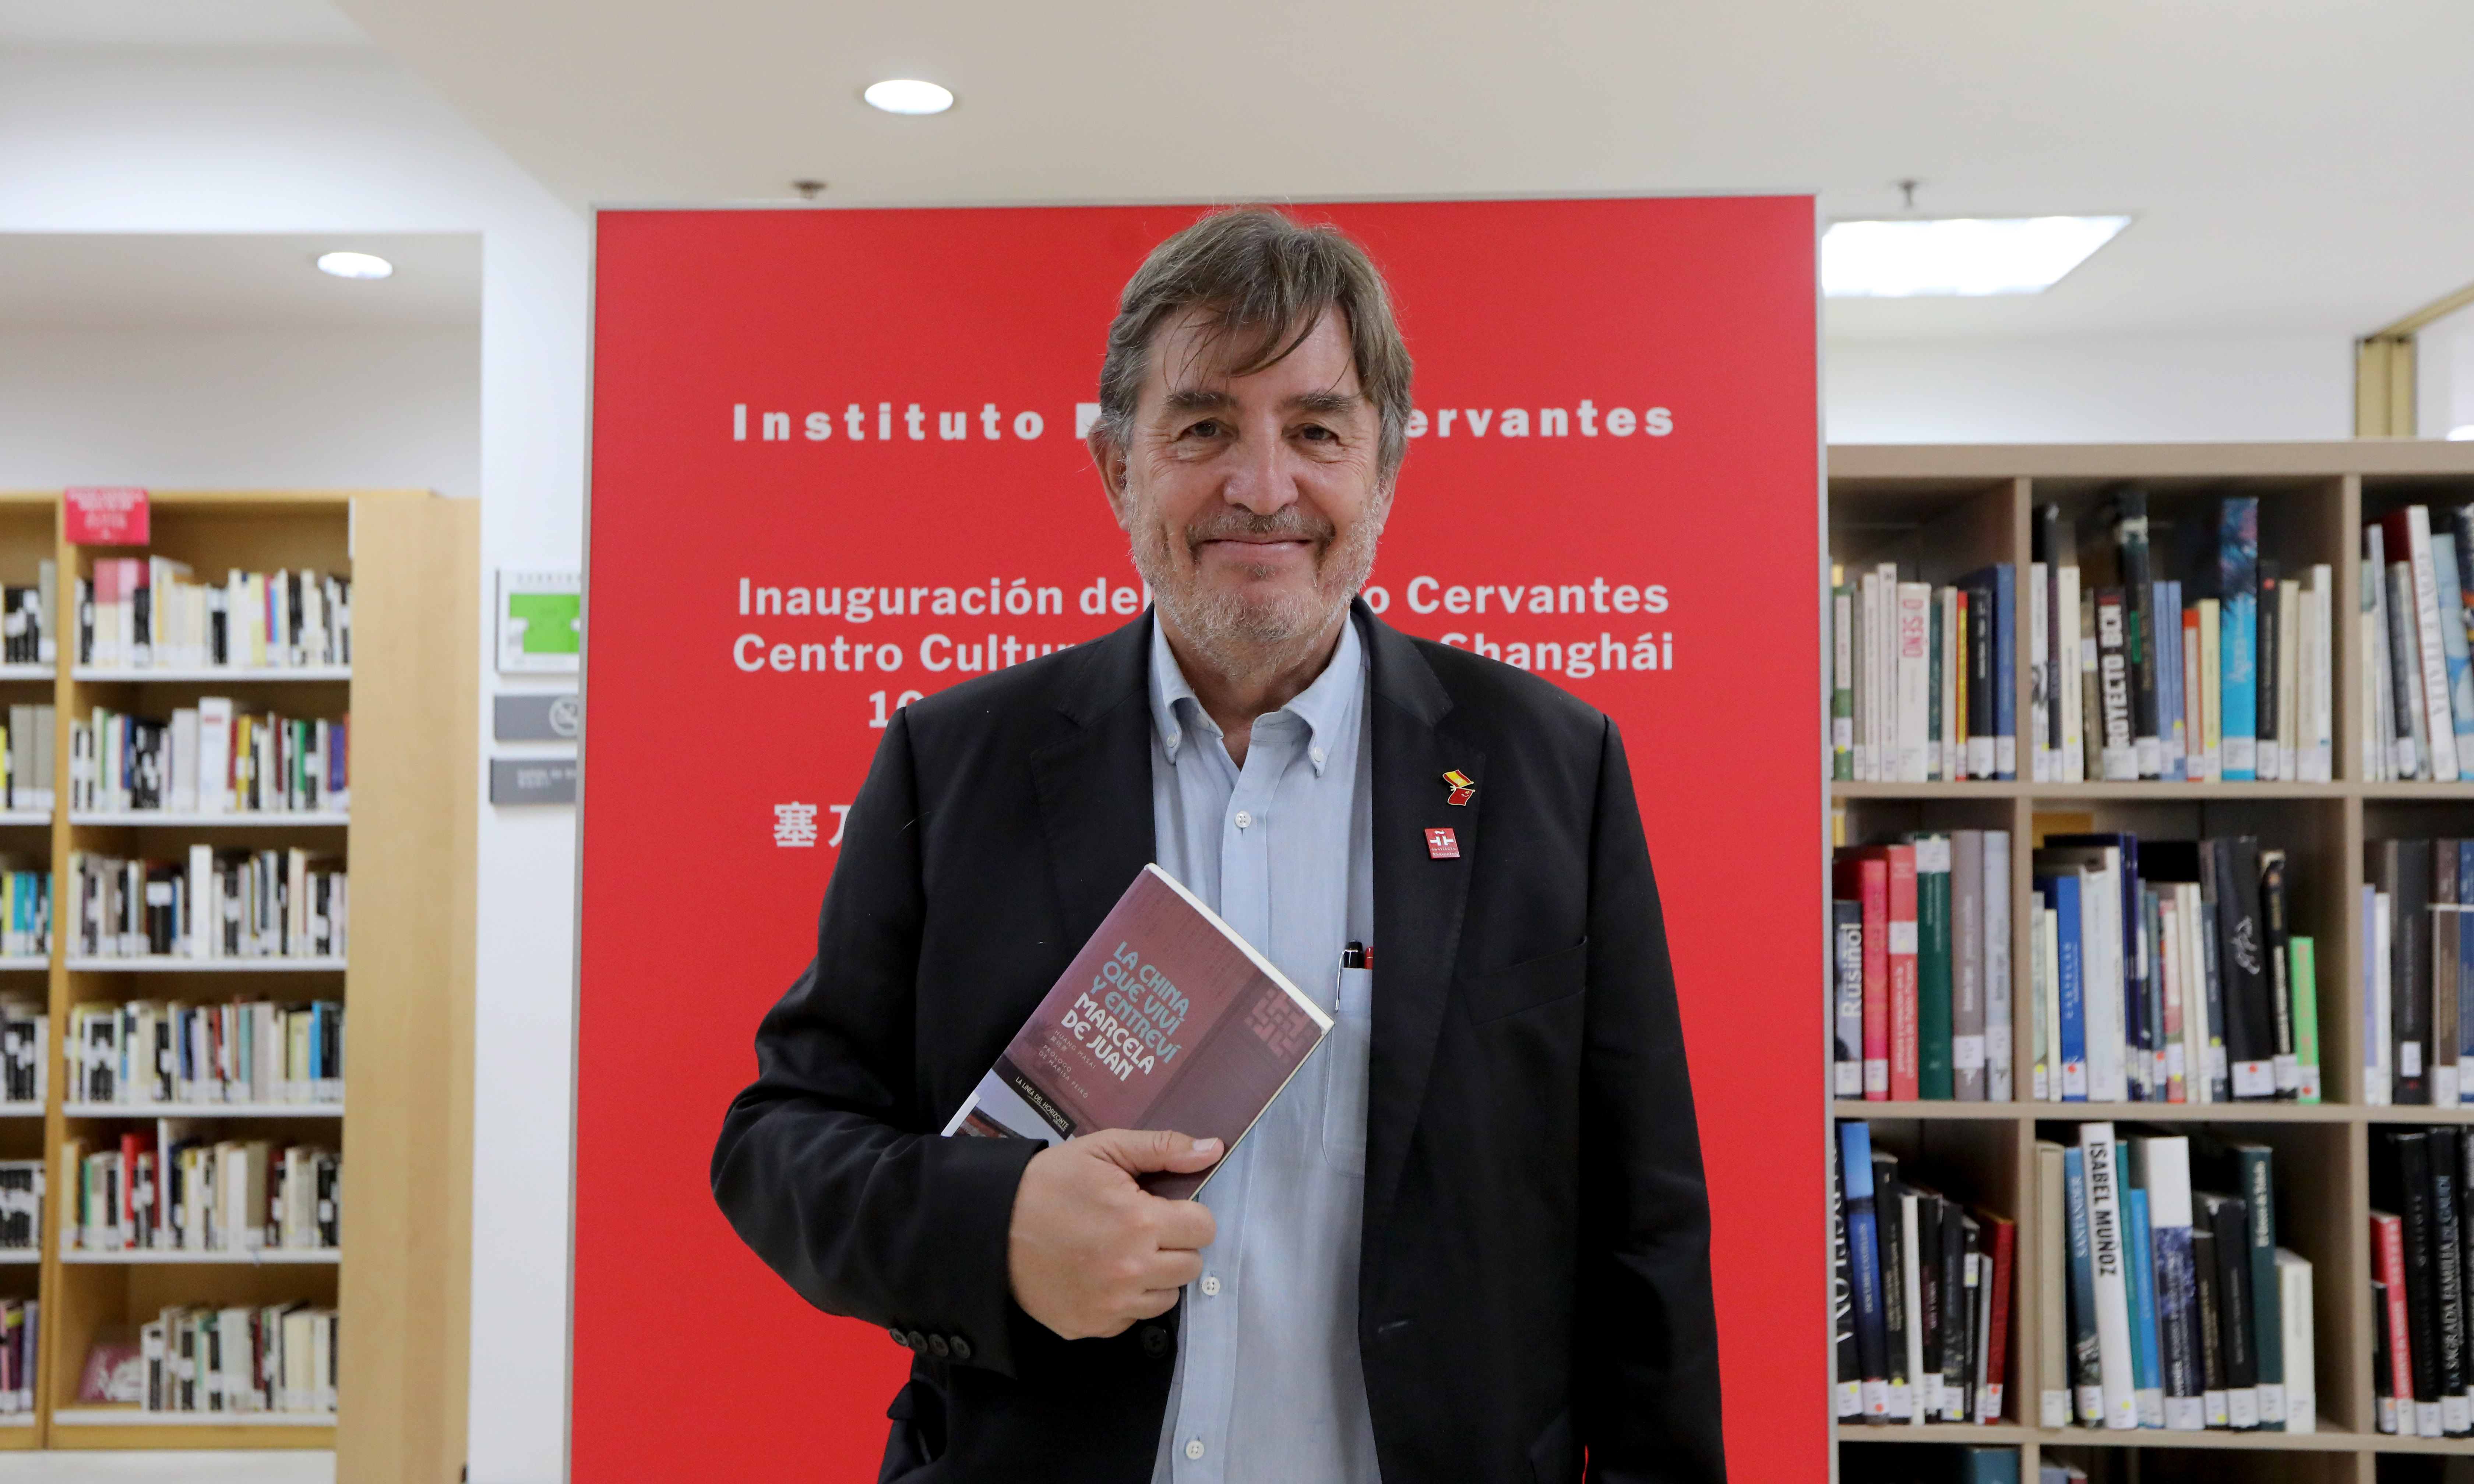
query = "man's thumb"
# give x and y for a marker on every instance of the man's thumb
(1140, 1150)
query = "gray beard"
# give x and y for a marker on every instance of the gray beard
(1243, 636)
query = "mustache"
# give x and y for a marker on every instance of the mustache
(1290, 524)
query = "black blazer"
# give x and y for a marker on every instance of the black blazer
(1535, 1274)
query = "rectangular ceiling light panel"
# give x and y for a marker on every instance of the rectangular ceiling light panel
(1963, 256)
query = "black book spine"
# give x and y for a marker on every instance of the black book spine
(1980, 714)
(2447, 1272)
(2411, 975)
(2212, 1339)
(2138, 603)
(1850, 1364)
(2227, 1223)
(2116, 687)
(1931, 1301)
(2250, 1043)
(2423, 1329)
(2046, 546)
(1890, 1215)
(1957, 1314)
(2280, 991)
(2268, 639)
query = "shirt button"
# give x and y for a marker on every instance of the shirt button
(1194, 1447)
(1244, 819)
(1317, 756)
(1210, 1283)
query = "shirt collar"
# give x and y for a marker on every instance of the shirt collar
(1323, 706)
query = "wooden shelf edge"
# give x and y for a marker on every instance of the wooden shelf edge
(266, 1257)
(2326, 1440)
(199, 1111)
(203, 966)
(120, 1417)
(203, 674)
(247, 819)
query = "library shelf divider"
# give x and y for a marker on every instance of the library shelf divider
(1942, 511)
(413, 562)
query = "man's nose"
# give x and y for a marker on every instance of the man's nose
(1261, 480)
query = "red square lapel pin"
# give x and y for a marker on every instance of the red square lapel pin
(1442, 844)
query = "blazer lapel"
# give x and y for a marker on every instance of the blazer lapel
(1094, 784)
(1417, 898)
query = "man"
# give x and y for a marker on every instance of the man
(1469, 1239)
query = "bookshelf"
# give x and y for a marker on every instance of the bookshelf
(1943, 511)
(398, 1280)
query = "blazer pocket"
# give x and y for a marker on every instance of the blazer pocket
(1530, 983)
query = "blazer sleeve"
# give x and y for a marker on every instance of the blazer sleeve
(826, 1166)
(1647, 1371)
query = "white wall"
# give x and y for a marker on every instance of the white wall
(2444, 376)
(101, 141)
(361, 408)
(2057, 390)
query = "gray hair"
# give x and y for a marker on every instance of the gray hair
(1266, 277)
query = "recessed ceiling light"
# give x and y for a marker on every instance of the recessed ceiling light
(354, 265)
(1960, 255)
(2462, 433)
(907, 95)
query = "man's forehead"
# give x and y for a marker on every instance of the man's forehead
(1194, 355)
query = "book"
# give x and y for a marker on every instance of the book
(2238, 599)
(2087, 1344)
(2268, 750)
(1847, 990)
(2302, 960)
(1160, 975)
(146, 613)
(1967, 951)
(2297, 1344)
(1842, 678)
(1869, 1331)
(2408, 534)
(2146, 1347)
(2165, 1164)
(276, 1357)
(2117, 1392)
(2448, 1276)
(1997, 1009)
(2053, 1253)
(1935, 1007)
(1867, 880)
(2002, 1236)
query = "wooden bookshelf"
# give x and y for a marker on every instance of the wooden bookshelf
(1942, 512)
(399, 1279)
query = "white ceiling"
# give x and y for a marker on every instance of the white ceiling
(184, 281)
(176, 23)
(2291, 167)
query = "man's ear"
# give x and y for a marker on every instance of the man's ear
(1109, 458)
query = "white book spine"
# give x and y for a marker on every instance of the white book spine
(2105, 1248)
(2324, 691)
(2375, 1001)
(1997, 966)
(2442, 729)
(1953, 760)
(2066, 649)
(2108, 1075)
(1915, 677)
(1911, 1278)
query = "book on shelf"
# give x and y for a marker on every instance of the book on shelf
(148, 613)
(168, 1189)
(2167, 971)
(150, 1052)
(25, 1052)
(277, 1357)
(25, 911)
(21, 1205)
(26, 631)
(2416, 686)
(2184, 1313)
(2417, 973)
(217, 904)
(1929, 1282)
(27, 754)
(2422, 1266)
(1166, 1020)
(20, 1342)
(2194, 660)
(1924, 678)
(211, 759)
(1920, 981)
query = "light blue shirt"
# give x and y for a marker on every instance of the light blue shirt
(1268, 1388)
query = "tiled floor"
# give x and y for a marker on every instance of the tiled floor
(151, 1468)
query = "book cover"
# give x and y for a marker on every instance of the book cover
(1933, 1008)
(1166, 1020)
(2237, 620)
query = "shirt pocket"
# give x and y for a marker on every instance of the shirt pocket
(1526, 985)
(1345, 1051)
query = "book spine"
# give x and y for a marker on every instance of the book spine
(2237, 595)
(2447, 1272)
(2212, 1345)
(2177, 1295)
(2383, 1353)
(2087, 1371)
(1862, 1238)
(1863, 638)
(2067, 679)
(2405, 677)
(2005, 674)
(2253, 1164)
(1842, 682)
(1966, 877)
(2211, 709)
(2041, 714)
(2237, 1337)
(2466, 988)
(2146, 1358)
(2166, 611)
(1936, 1077)
(2116, 687)
(2379, 718)
(2064, 891)
(1847, 959)
(1904, 1067)
(2139, 623)
(2430, 645)
(1981, 672)
(2301, 1375)
(1924, 1378)
(1890, 1207)
(2053, 1290)
(2268, 753)
(2413, 1154)
(2285, 1068)
(2001, 1237)
(1874, 883)
(1914, 634)
(2249, 1040)
(2303, 969)
(2119, 1397)
(2198, 763)
(1937, 755)
(1997, 967)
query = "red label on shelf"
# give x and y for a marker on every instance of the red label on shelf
(99, 517)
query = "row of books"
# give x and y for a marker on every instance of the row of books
(2167, 971)
(27, 753)
(1922, 686)
(147, 612)
(2416, 691)
(2164, 1304)
(149, 1053)
(2422, 1272)
(276, 1358)
(1924, 1283)
(2201, 663)
(25, 913)
(268, 903)
(167, 1189)
(25, 1052)
(210, 759)
(1920, 968)
(21, 1205)
(26, 629)
(2417, 973)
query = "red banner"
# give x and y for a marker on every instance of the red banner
(837, 465)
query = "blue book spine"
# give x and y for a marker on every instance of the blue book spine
(1864, 1267)
(2146, 1368)
(2238, 635)
(2005, 675)
(2086, 1374)
(2177, 1281)
(1988, 1465)
(2169, 679)
(2451, 637)
(2063, 892)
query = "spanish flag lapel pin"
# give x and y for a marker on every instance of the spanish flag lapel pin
(1464, 788)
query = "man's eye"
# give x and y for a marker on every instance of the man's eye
(1317, 433)
(1208, 427)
